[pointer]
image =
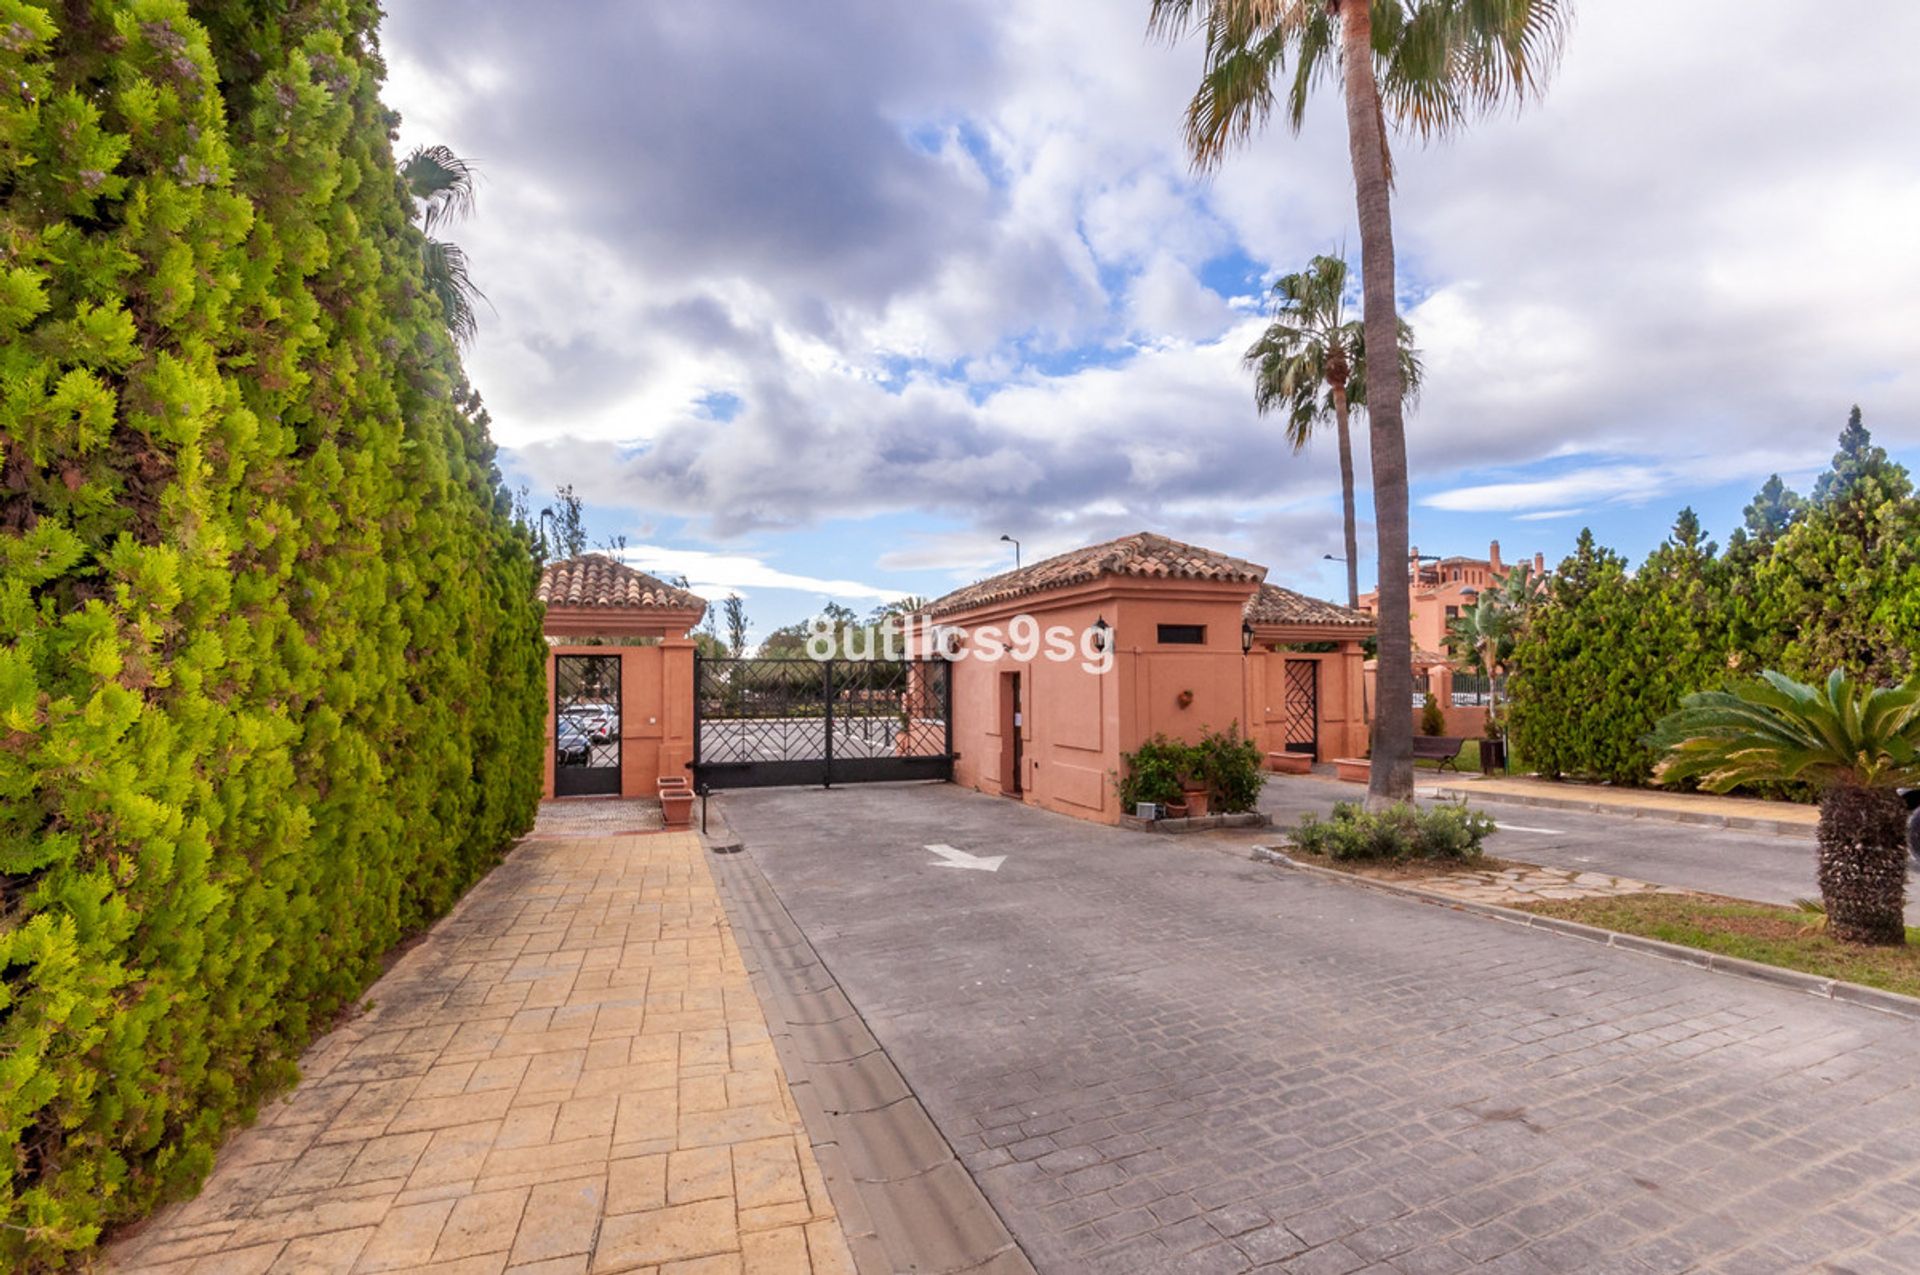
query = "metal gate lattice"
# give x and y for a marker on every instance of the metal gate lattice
(586, 724)
(761, 722)
(1303, 706)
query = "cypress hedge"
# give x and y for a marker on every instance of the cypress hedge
(1805, 586)
(271, 673)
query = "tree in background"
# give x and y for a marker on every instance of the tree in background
(736, 612)
(443, 187)
(1311, 363)
(1429, 66)
(563, 526)
(1857, 742)
(1805, 587)
(1483, 635)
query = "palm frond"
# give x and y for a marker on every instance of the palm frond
(447, 278)
(1845, 730)
(442, 182)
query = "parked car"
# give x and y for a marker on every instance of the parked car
(600, 722)
(572, 745)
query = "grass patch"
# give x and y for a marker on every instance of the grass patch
(1752, 931)
(1469, 761)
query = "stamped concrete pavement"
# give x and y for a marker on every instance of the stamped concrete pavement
(570, 1074)
(1153, 1054)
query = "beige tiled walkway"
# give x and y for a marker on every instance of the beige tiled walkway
(570, 1074)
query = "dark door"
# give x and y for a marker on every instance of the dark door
(1019, 730)
(1303, 706)
(586, 725)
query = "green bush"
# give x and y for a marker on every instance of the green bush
(1157, 771)
(1397, 834)
(1433, 720)
(271, 689)
(1163, 770)
(1230, 767)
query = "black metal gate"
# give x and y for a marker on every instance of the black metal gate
(586, 725)
(764, 722)
(1303, 706)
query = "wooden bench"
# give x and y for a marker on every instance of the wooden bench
(1444, 749)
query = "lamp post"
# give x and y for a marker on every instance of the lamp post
(1016, 550)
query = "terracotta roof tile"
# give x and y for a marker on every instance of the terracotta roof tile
(1141, 555)
(595, 580)
(1272, 604)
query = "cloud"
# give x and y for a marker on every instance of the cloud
(715, 575)
(949, 259)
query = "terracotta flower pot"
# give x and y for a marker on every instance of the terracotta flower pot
(676, 807)
(1176, 810)
(1290, 763)
(1353, 770)
(1196, 803)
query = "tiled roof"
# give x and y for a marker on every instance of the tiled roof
(595, 580)
(1272, 604)
(1142, 555)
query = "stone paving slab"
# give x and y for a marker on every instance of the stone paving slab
(1155, 1055)
(570, 1075)
(1524, 883)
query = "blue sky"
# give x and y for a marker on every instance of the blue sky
(818, 301)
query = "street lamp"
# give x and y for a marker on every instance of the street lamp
(1016, 550)
(1332, 558)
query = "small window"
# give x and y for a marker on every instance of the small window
(1453, 613)
(1183, 635)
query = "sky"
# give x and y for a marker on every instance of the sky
(818, 301)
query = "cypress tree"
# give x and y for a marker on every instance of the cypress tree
(271, 675)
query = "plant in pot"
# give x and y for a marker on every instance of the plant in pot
(1229, 766)
(1156, 774)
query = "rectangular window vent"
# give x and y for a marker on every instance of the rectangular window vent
(1183, 635)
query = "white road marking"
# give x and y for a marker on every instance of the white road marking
(951, 858)
(1521, 827)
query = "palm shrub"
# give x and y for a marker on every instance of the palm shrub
(1858, 742)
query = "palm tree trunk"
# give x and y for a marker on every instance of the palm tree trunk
(1392, 770)
(1863, 864)
(1346, 494)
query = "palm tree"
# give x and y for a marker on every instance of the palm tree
(442, 184)
(1312, 346)
(1485, 632)
(1431, 65)
(1857, 741)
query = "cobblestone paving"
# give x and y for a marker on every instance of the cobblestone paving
(1158, 1056)
(1525, 884)
(570, 1074)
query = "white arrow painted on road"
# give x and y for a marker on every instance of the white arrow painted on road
(1521, 827)
(951, 858)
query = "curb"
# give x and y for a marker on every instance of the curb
(1812, 984)
(1699, 818)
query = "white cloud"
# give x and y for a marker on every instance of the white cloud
(715, 575)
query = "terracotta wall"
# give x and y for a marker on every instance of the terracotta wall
(1068, 720)
(1342, 713)
(1074, 724)
(656, 711)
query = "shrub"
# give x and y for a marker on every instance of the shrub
(1156, 772)
(270, 666)
(1230, 767)
(1398, 834)
(1433, 721)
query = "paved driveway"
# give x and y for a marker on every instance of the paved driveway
(1765, 866)
(1154, 1054)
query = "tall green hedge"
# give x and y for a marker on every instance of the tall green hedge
(270, 668)
(1806, 586)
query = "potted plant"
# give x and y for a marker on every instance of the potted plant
(1156, 774)
(1493, 748)
(676, 805)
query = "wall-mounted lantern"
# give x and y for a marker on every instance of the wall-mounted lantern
(1102, 635)
(1246, 637)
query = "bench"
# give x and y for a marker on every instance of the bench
(1444, 749)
